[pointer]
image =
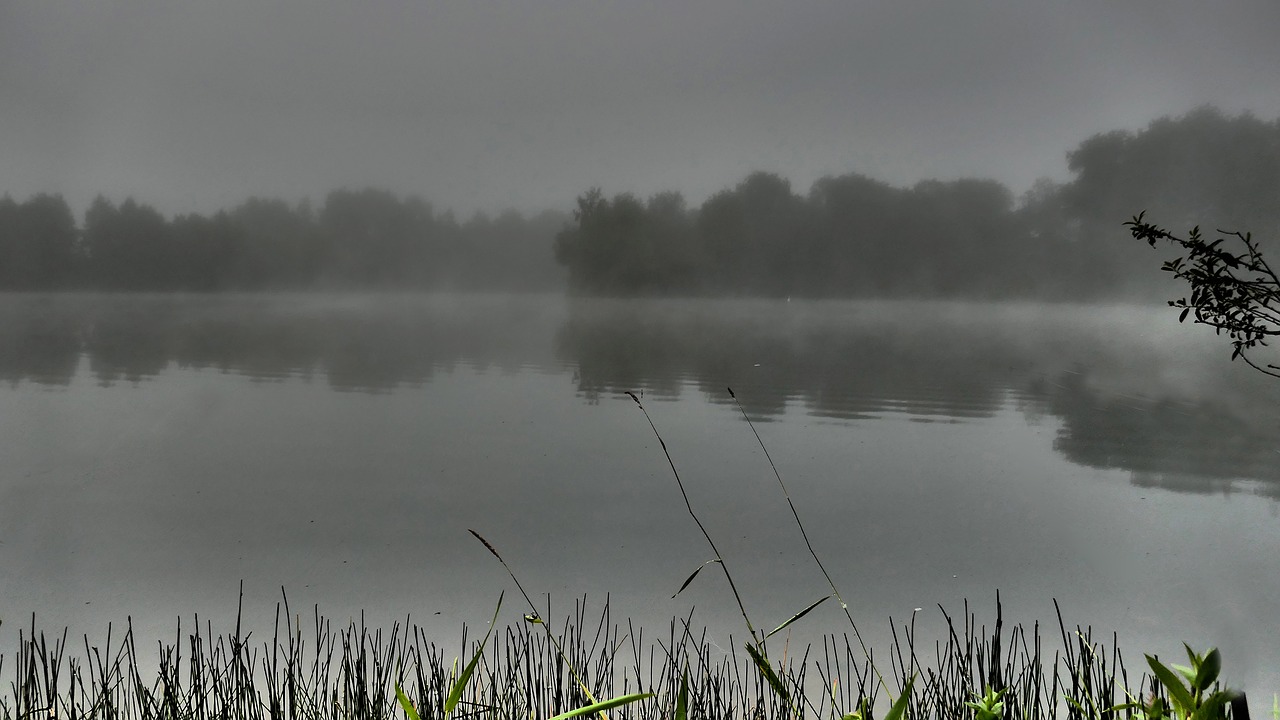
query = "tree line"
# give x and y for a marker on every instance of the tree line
(852, 235)
(847, 236)
(356, 239)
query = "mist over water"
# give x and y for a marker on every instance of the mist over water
(295, 294)
(164, 448)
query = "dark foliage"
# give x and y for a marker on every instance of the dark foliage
(1233, 292)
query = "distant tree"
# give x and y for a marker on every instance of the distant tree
(378, 238)
(277, 244)
(964, 230)
(1049, 238)
(1203, 167)
(751, 236)
(510, 251)
(626, 246)
(852, 219)
(128, 247)
(205, 249)
(38, 240)
(1233, 292)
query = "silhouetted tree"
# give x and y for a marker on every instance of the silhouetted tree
(205, 252)
(751, 236)
(625, 246)
(37, 243)
(854, 219)
(128, 247)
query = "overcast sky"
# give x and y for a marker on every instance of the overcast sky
(192, 106)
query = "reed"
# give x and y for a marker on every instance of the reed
(528, 670)
(316, 669)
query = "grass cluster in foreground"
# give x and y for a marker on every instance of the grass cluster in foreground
(589, 666)
(328, 671)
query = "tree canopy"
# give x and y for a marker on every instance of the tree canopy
(851, 235)
(847, 235)
(367, 238)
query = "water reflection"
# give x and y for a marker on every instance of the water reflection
(1128, 390)
(365, 344)
(1131, 390)
(1170, 442)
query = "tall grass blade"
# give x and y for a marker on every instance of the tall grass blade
(805, 535)
(682, 700)
(797, 616)
(406, 705)
(603, 705)
(689, 506)
(693, 575)
(455, 692)
(766, 671)
(900, 705)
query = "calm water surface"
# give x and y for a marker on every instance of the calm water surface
(159, 450)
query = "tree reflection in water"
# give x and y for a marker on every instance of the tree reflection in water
(1129, 393)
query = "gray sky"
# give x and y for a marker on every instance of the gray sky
(192, 106)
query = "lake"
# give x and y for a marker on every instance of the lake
(162, 449)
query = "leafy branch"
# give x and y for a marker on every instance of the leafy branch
(1233, 292)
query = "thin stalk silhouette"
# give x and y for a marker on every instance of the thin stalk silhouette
(537, 619)
(794, 513)
(758, 641)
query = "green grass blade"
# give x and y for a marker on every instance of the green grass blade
(685, 584)
(603, 705)
(408, 706)
(900, 705)
(455, 692)
(766, 670)
(682, 700)
(797, 616)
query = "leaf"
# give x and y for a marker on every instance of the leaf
(1212, 709)
(766, 670)
(1192, 656)
(1209, 669)
(1183, 316)
(1186, 672)
(455, 692)
(603, 705)
(685, 584)
(408, 706)
(900, 705)
(797, 616)
(1172, 684)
